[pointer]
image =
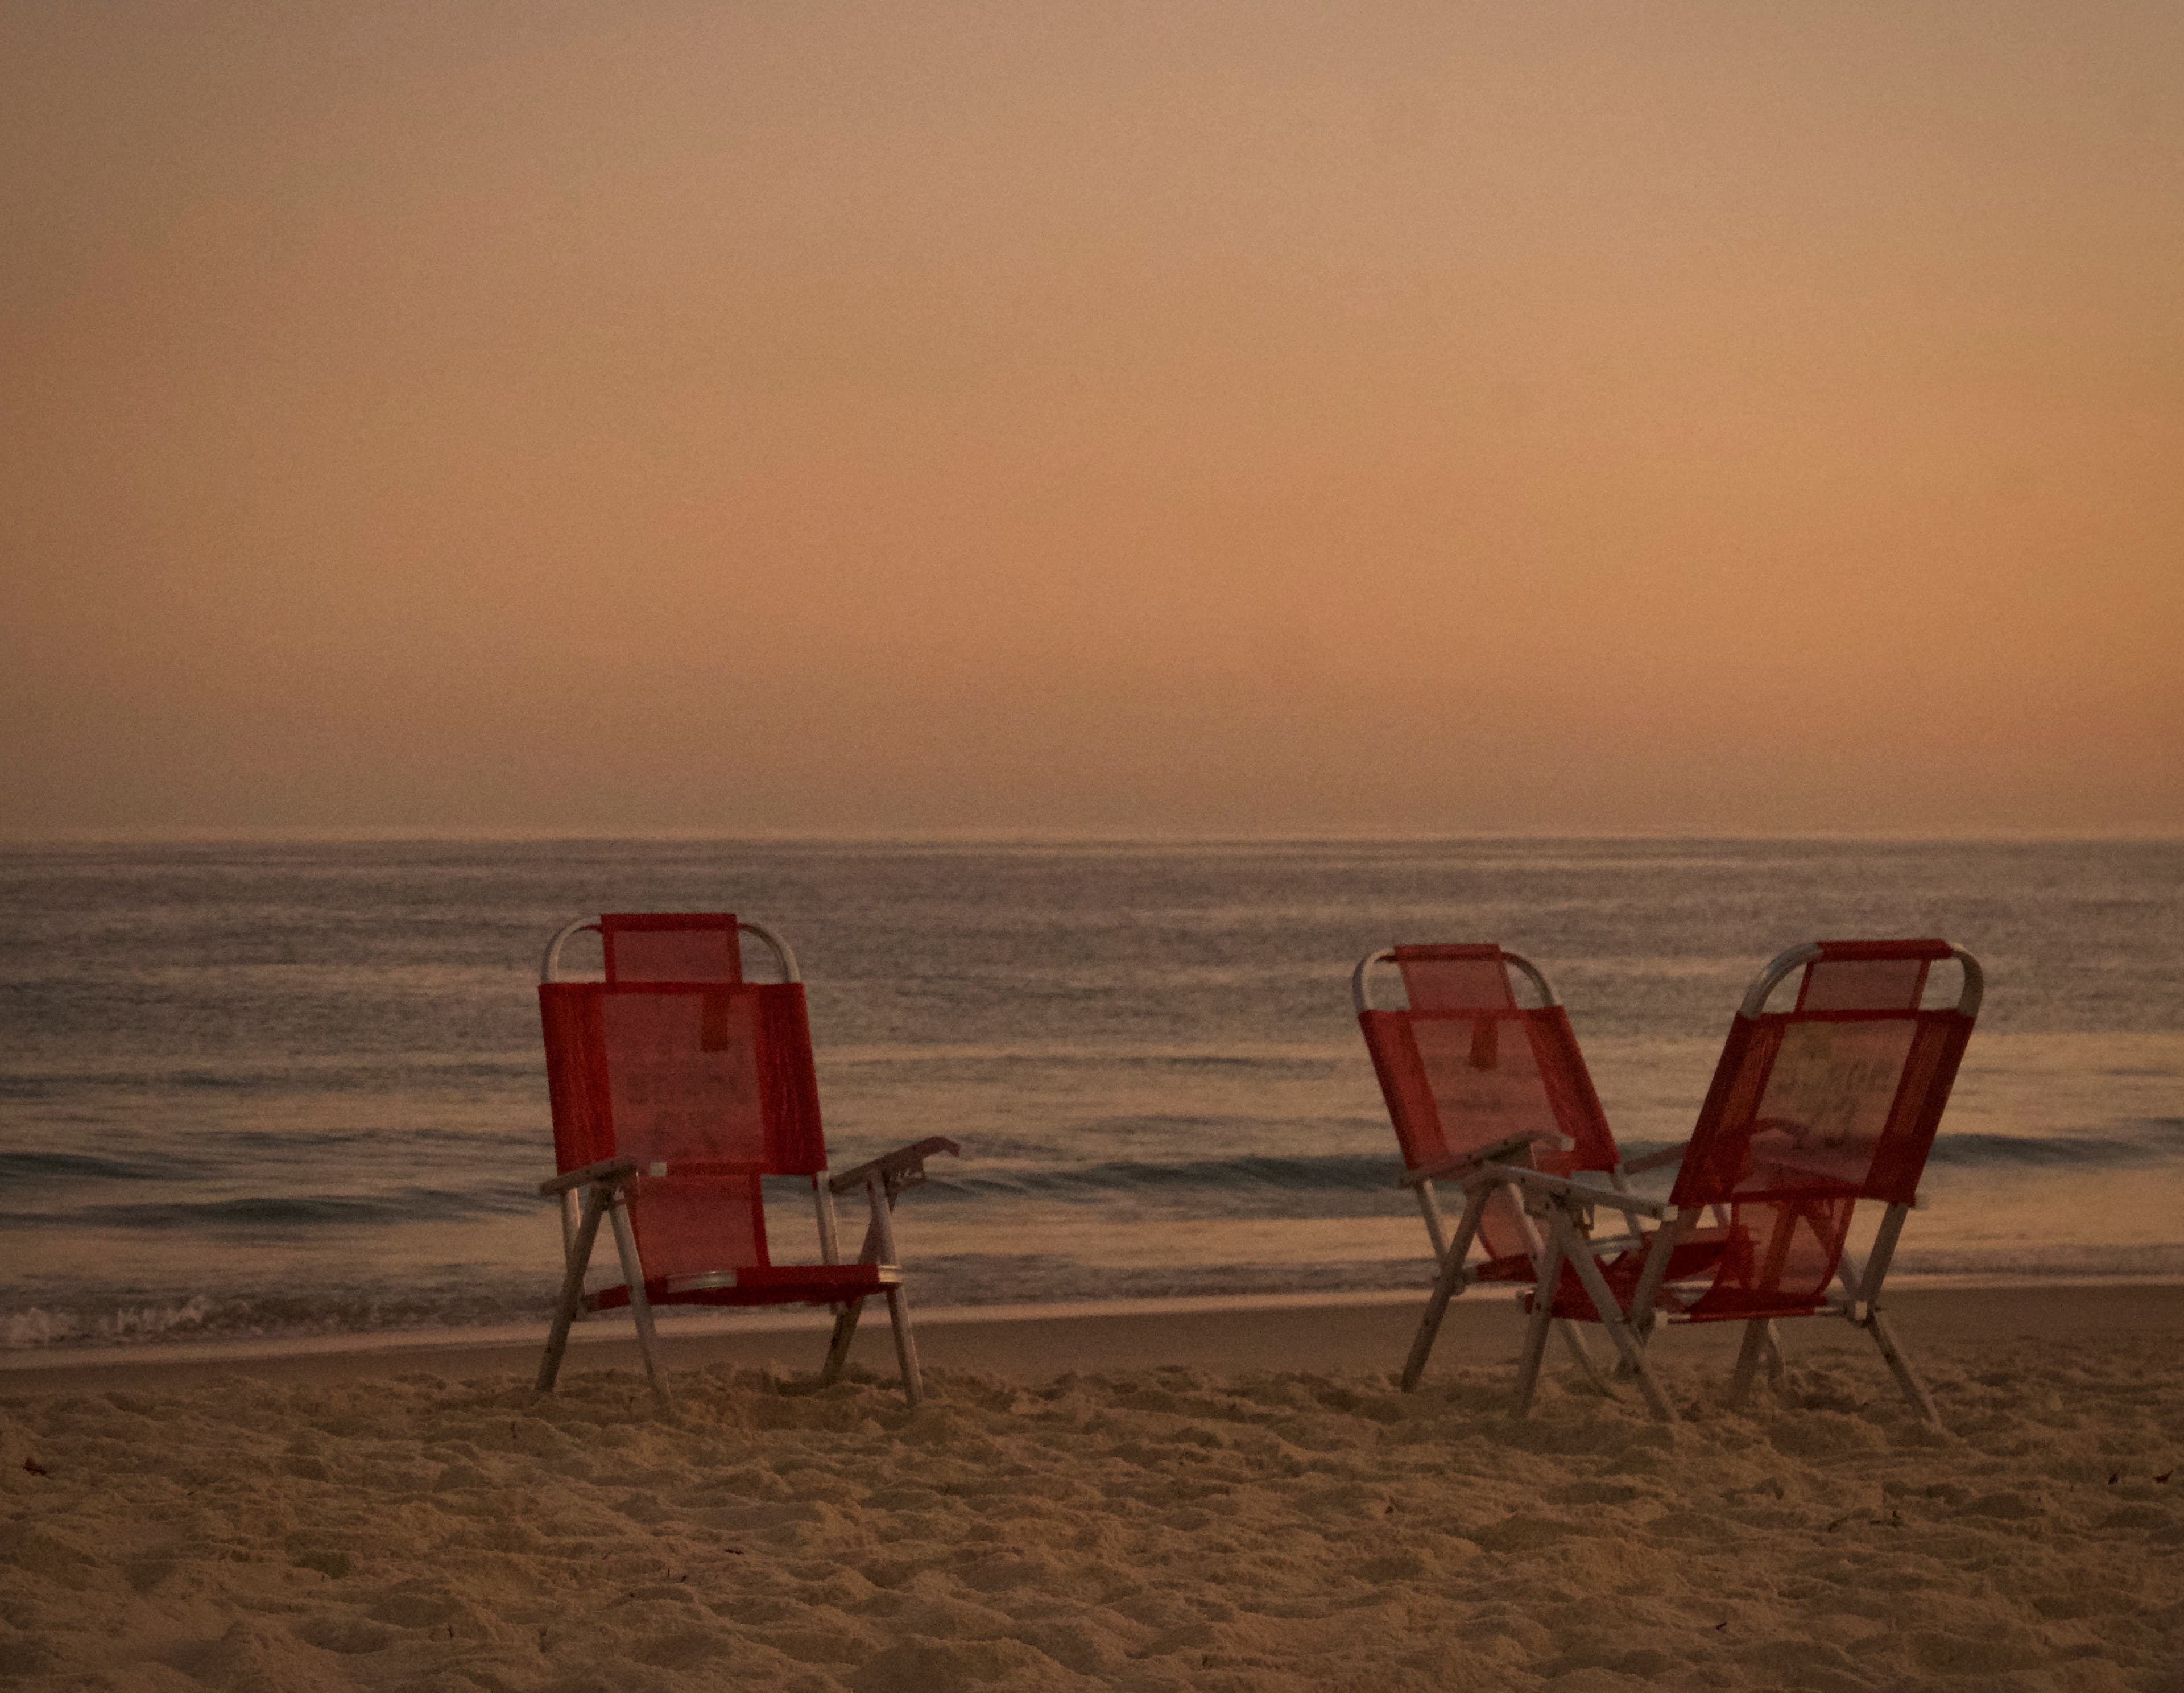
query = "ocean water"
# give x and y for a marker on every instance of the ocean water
(295, 1092)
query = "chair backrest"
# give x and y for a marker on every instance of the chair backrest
(1464, 1068)
(703, 1079)
(674, 946)
(1833, 1101)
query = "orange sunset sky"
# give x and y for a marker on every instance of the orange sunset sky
(1206, 418)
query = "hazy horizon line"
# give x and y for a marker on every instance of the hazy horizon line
(1040, 837)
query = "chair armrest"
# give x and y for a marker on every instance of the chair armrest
(614, 1171)
(1471, 1164)
(1655, 1160)
(1586, 1193)
(904, 1167)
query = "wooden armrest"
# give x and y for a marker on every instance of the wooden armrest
(898, 1169)
(614, 1171)
(1655, 1160)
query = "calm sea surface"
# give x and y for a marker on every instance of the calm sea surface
(296, 1090)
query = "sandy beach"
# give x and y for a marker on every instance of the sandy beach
(1206, 1499)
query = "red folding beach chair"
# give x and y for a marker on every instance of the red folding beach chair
(1481, 1090)
(1811, 1110)
(676, 1087)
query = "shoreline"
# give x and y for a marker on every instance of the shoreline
(1364, 1331)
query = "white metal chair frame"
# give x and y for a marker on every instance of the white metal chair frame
(1567, 1204)
(1479, 1175)
(601, 1191)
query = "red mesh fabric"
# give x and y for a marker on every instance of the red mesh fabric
(669, 1072)
(683, 1076)
(788, 1081)
(693, 1221)
(1782, 1256)
(671, 947)
(1713, 1161)
(1484, 1073)
(1569, 1086)
(1930, 1072)
(1506, 1239)
(1699, 1254)
(716, 1082)
(1827, 1101)
(777, 1284)
(576, 1075)
(1824, 1103)
(1403, 1084)
(1455, 978)
(1456, 1083)
(1863, 984)
(1931, 948)
(1813, 1110)
(1869, 975)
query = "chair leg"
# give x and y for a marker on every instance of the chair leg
(906, 1345)
(838, 1350)
(640, 1307)
(1581, 1355)
(576, 1259)
(1914, 1389)
(1444, 1289)
(1448, 1281)
(1535, 1332)
(1757, 1340)
(1422, 1342)
(1627, 1343)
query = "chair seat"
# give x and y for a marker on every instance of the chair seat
(1701, 1254)
(1746, 1304)
(772, 1284)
